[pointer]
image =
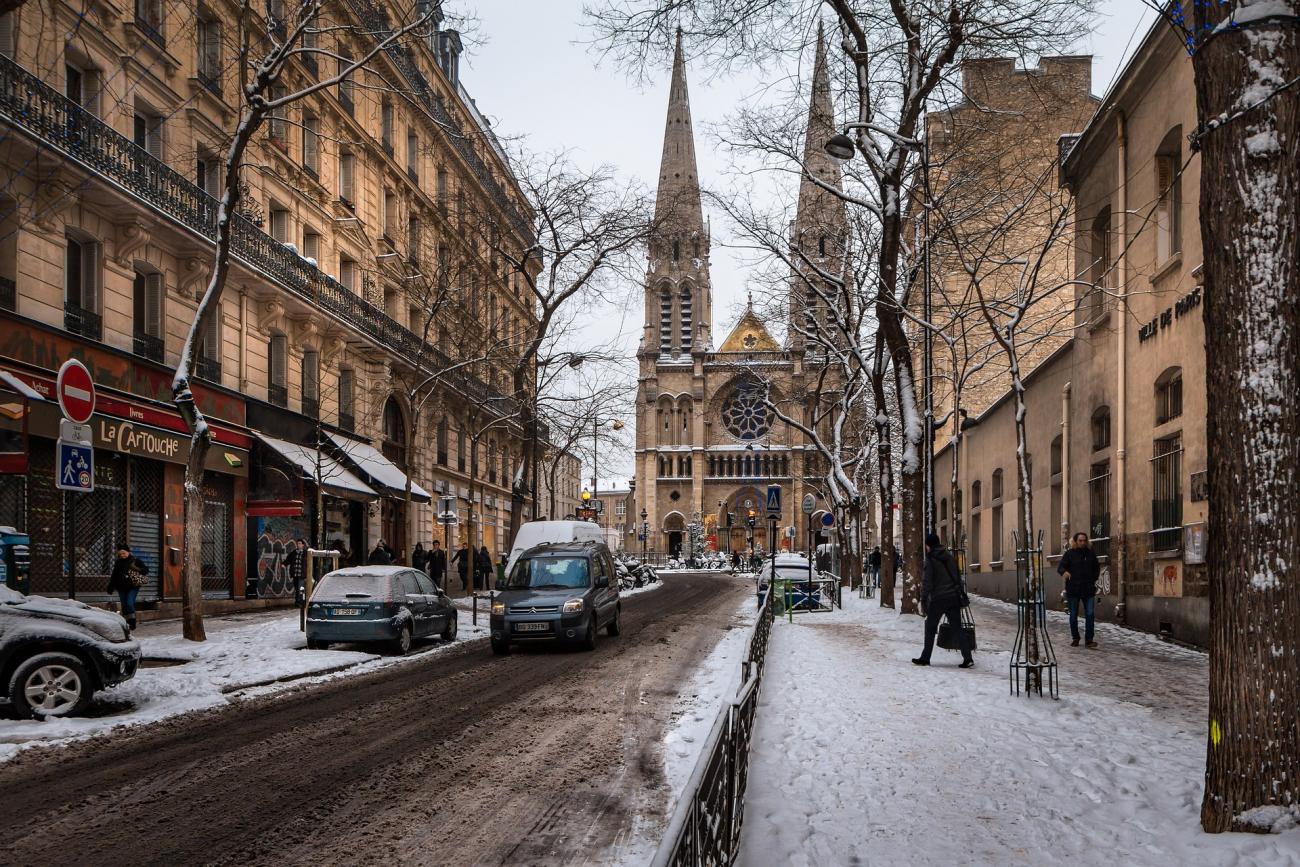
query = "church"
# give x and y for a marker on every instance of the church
(708, 446)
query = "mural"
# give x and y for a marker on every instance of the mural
(274, 541)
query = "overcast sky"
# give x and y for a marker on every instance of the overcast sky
(532, 75)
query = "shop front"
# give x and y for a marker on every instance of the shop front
(377, 470)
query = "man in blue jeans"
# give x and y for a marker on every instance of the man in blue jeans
(1080, 568)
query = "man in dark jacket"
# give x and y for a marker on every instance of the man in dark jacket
(461, 558)
(437, 563)
(482, 568)
(874, 560)
(380, 556)
(296, 564)
(1080, 567)
(943, 596)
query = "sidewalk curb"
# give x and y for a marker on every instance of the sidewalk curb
(288, 678)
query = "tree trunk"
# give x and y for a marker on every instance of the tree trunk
(1027, 543)
(1250, 187)
(911, 489)
(885, 481)
(192, 586)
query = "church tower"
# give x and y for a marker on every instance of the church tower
(679, 299)
(820, 229)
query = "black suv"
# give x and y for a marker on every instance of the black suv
(557, 592)
(55, 653)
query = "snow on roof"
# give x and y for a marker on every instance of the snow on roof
(16, 384)
(378, 468)
(332, 473)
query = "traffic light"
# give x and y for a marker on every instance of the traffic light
(751, 518)
(731, 520)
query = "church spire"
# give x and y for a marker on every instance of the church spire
(677, 203)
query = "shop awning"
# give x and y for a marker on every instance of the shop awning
(379, 470)
(334, 477)
(14, 384)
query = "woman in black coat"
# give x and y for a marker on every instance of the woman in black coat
(482, 568)
(461, 559)
(121, 582)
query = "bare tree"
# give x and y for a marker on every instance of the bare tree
(265, 48)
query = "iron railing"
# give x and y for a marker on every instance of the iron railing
(209, 369)
(277, 394)
(57, 122)
(705, 826)
(8, 294)
(81, 321)
(147, 346)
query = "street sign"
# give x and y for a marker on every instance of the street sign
(773, 500)
(828, 520)
(73, 432)
(447, 511)
(76, 391)
(809, 503)
(75, 468)
(598, 506)
(789, 532)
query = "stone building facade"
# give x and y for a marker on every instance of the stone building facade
(992, 156)
(359, 269)
(707, 446)
(1117, 415)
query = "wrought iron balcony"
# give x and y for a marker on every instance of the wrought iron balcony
(150, 30)
(8, 294)
(210, 80)
(311, 407)
(40, 111)
(81, 321)
(277, 394)
(209, 369)
(347, 421)
(148, 346)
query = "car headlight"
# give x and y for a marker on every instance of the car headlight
(109, 631)
(572, 606)
(498, 608)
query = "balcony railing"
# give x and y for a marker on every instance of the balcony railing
(347, 421)
(209, 369)
(211, 81)
(277, 394)
(8, 294)
(311, 407)
(32, 106)
(148, 346)
(84, 322)
(150, 30)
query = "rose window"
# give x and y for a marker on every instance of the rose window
(745, 414)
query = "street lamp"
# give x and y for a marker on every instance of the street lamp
(645, 532)
(596, 424)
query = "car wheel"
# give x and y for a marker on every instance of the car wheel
(615, 626)
(50, 685)
(453, 623)
(589, 638)
(402, 644)
(500, 648)
(317, 644)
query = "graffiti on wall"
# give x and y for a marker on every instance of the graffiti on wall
(274, 542)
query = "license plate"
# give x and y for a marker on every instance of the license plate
(345, 612)
(532, 627)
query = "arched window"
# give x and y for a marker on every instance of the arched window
(975, 495)
(677, 251)
(1100, 426)
(394, 446)
(1102, 274)
(996, 493)
(1169, 395)
(687, 331)
(1169, 188)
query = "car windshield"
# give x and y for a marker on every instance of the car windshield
(338, 587)
(555, 573)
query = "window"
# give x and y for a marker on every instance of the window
(147, 133)
(277, 127)
(665, 321)
(685, 313)
(311, 383)
(149, 18)
(492, 461)
(390, 214)
(677, 251)
(394, 445)
(208, 39)
(413, 239)
(81, 85)
(1099, 508)
(1169, 395)
(1167, 493)
(442, 442)
(995, 555)
(207, 175)
(147, 298)
(347, 391)
(279, 223)
(975, 540)
(996, 492)
(1169, 188)
(386, 126)
(311, 145)
(1101, 428)
(7, 34)
(1101, 274)
(311, 246)
(412, 154)
(277, 374)
(975, 495)
(209, 366)
(81, 286)
(347, 178)
(346, 86)
(442, 190)
(620, 508)
(347, 273)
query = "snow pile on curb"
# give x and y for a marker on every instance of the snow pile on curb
(264, 656)
(861, 757)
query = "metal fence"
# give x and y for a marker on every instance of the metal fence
(705, 826)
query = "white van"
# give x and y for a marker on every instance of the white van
(540, 532)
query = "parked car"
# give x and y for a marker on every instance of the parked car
(56, 653)
(536, 533)
(391, 604)
(557, 592)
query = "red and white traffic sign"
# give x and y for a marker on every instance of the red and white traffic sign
(76, 391)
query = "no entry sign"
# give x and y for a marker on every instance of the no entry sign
(76, 391)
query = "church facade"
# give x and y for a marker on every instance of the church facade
(708, 445)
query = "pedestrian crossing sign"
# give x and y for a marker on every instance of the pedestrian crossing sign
(773, 500)
(75, 468)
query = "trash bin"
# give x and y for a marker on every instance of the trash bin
(15, 559)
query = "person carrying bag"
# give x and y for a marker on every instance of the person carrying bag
(945, 598)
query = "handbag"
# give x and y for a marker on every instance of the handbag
(959, 636)
(137, 575)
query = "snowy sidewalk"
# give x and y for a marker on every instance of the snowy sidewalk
(861, 757)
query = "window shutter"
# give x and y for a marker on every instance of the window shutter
(153, 138)
(311, 144)
(153, 288)
(345, 176)
(7, 34)
(345, 391)
(212, 337)
(90, 276)
(310, 375)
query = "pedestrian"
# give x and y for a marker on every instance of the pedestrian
(461, 558)
(482, 568)
(380, 556)
(943, 596)
(345, 558)
(129, 574)
(874, 560)
(735, 561)
(1080, 568)
(419, 557)
(436, 565)
(296, 564)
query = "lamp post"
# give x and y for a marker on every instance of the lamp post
(574, 360)
(596, 424)
(645, 532)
